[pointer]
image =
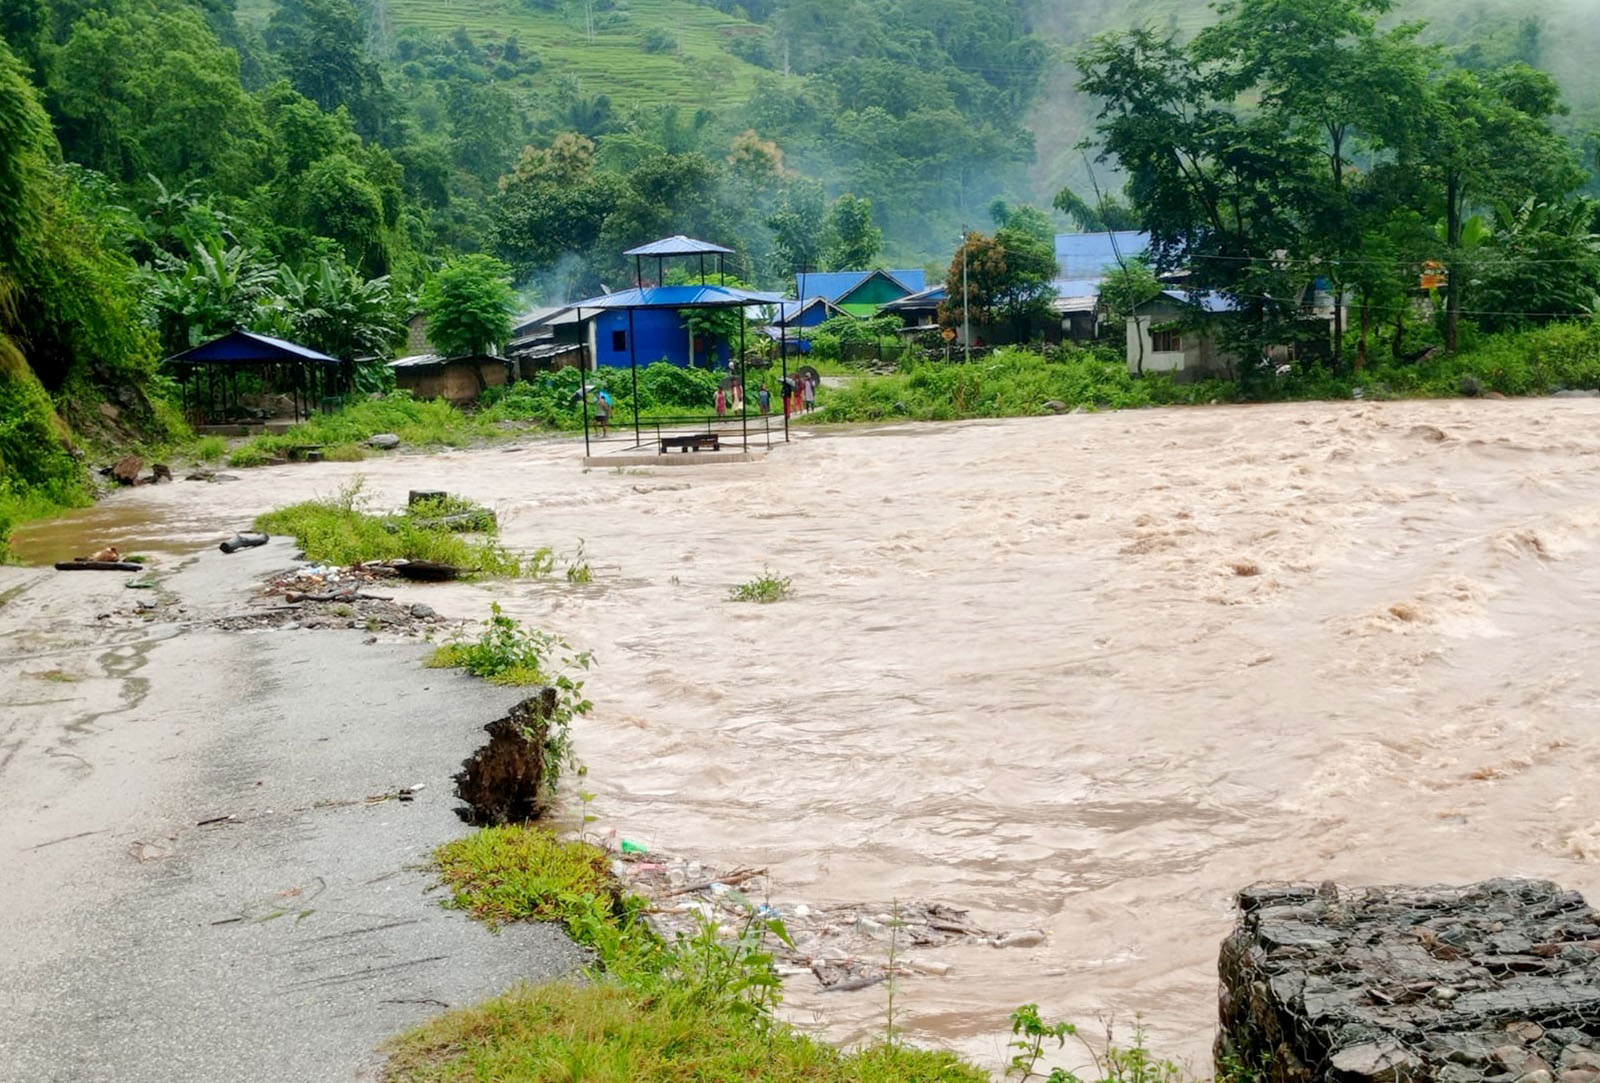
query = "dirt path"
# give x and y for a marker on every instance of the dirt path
(290, 935)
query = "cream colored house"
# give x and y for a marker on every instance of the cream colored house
(1170, 333)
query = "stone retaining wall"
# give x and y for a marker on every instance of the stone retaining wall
(1497, 982)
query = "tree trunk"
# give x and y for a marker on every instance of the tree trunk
(1453, 224)
(1338, 327)
(1396, 346)
(1366, 322)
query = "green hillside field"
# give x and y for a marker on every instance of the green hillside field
(614, 62)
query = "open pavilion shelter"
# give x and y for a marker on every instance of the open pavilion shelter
(680, 298)
(209, 375)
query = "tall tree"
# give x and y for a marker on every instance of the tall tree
(853, 241)
(319, 44)
(469, 304)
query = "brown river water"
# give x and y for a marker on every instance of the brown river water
(1089, 674)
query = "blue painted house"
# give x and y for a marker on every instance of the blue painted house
(660, 334)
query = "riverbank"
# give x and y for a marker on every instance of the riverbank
(1087, 674)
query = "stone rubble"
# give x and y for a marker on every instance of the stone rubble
(1496, 981)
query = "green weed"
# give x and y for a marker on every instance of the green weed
(765, 588)
(210, 449)
(579, 571)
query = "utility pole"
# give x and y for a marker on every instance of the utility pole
(966, 298)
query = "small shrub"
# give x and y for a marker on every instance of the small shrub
(658, 39)
(765, 588)
(210, 449)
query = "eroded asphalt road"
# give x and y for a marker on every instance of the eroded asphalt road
(288, 942)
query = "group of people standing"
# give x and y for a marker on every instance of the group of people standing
(799, 396)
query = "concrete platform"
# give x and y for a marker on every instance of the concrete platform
(674, 458)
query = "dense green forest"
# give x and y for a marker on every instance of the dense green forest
(170, 169)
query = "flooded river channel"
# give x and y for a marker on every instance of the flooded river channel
(1088, 674)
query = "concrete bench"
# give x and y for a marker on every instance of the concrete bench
(700, 441)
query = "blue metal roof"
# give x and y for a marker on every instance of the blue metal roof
(693, 296)
(836, 284)
(247, 347)
(678, 245)
(1093, 255)
(792, 310)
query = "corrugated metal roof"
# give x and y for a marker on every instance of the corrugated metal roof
(247, 347)
(1209, 301)
(678, 245)
(707, 296)
(1093, 255)
(427, 360)
(836, 284)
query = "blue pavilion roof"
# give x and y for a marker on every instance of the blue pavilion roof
(247, 347)
(678, 246)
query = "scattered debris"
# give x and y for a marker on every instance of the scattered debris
(845, 948)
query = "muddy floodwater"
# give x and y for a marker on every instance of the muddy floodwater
(1086, 674)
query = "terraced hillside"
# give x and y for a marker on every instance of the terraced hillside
(613, 61)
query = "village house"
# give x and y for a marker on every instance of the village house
(1175, 332)
(860, 293)
(454, 379)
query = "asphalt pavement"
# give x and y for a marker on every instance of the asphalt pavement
(208, 874)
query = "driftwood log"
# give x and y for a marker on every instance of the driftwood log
(99, 566)
(428, 571)
(243, 541)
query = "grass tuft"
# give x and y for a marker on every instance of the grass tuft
(524, 873)
(766, 588)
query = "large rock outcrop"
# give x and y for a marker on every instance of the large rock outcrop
(1498, 981)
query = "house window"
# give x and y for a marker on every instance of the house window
(619, 341)
(1166, 342)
